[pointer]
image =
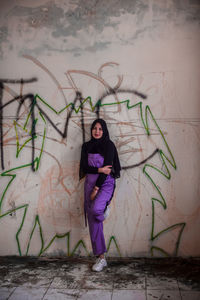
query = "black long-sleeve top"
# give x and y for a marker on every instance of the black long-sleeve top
(108, 160)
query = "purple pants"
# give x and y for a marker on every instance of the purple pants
(95, 209)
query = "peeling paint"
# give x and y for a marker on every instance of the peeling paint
(63, 27)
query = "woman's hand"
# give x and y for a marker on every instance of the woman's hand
(94, 192)
(106, 169)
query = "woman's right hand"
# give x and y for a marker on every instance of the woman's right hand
(106, 169)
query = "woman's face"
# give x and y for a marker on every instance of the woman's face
(97, 131)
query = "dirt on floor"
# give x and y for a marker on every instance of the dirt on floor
(186, 270)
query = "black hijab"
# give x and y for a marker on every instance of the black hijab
(99, 145)
(102, 145)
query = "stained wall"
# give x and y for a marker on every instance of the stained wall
(135, 64)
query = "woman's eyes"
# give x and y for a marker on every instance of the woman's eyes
(95, 128)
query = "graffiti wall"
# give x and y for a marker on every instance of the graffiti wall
(134, 64)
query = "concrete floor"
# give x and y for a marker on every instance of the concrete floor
(124, 279)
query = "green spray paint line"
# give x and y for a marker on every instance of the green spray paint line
(20, 207)
(37, 221)
(17, 139)
(19, 230)
(38, 159)
(166, 254)
(179, 237)
(41, 151)
(115, 242)
(20, 126)
(88, 99)
(12, 210)
(33, 126)
(5, 173)
(42, 117)
(153, 237)
(26, 205)
(31, 110)
(5, 190)
(26, 122)
(81, 242)
(59, 236)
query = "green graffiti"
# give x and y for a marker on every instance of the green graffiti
(17, 139)
(166, 254)
(36, 162)
(71, 105)
(167, 175)
(81, 242)
(61, 236)
(181, 225)
(147, 167)
(116, 245)
(19, 230)
(13, 176)
(38, 159)
(37, 221)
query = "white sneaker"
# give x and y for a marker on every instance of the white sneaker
(99, 265)
(106, 213)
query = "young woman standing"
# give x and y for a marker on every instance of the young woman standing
(100, 163)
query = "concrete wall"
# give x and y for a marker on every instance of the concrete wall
(56, 55)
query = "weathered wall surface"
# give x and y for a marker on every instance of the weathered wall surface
(62, 63)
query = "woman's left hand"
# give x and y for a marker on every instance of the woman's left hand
(94, 193)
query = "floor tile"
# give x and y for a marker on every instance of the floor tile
(37, 282)
(161, 283)
(15, 279)
(122, 280)
(129, 281)
(163, 295)
(42, 272)
(96, 280)
(5, 292)
(78, 270)
(39, 271)
(129, 295)
(191, 295)
(61, 294)
(189, 285)
(66, 282)
(95, 295)
(25, 293)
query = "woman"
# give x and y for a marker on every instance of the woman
(100, 163)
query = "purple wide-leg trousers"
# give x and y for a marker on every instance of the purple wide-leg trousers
(94, 209)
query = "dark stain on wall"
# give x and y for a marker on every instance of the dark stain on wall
(62, 24)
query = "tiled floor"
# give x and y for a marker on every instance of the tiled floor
(123, 279)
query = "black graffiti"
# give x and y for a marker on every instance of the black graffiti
(33, 104)
(142, 162)
(21, 98)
